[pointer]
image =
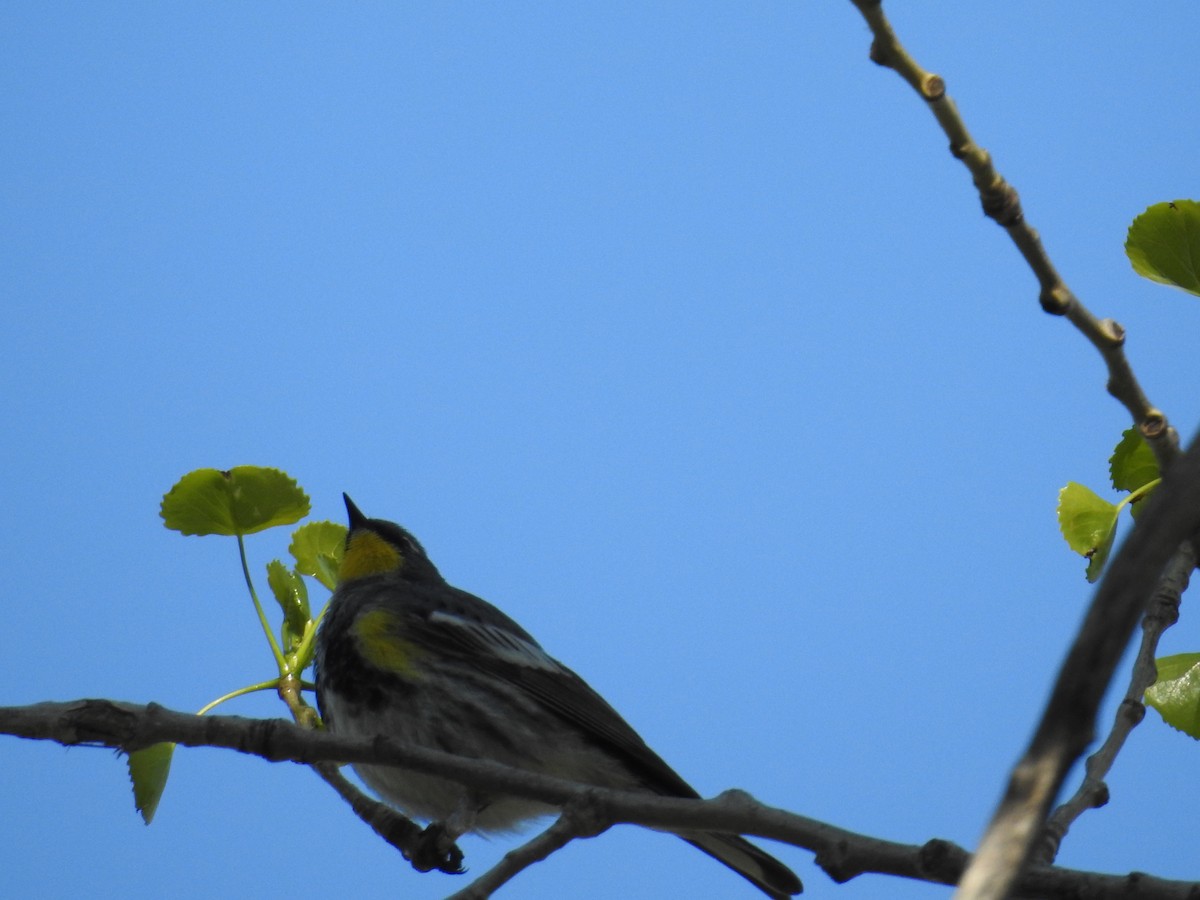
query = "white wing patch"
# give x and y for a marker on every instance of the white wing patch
(500, 643)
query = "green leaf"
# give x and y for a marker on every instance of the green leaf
(1164, 244)
(1089, 524)
(242, 501)
(148, 771)
(1176, 692)
(292, 596)
(1096, 561)
(1132, 464)
(1136, 506)
(318, 548)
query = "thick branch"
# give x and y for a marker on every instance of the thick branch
(841, 853)
(1066, 727)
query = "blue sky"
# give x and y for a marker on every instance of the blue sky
(674, 331)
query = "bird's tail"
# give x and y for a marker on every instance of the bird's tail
(757, 866)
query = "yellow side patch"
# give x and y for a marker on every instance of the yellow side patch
(368, 554)
(379, 640)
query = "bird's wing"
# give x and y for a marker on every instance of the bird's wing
(518, 659)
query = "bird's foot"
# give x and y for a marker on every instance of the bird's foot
(435, 849)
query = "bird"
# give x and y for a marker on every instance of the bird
(402, 653)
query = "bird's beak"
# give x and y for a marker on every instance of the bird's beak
(357, 519)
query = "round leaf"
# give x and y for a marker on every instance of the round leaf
(1099, 556)
(1132, 464)
(318, 548)
(243, 500)
(1176, 693)
(1164, 244)
(1089, 524)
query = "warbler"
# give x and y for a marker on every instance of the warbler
(402, 653)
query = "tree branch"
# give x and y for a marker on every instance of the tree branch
(841, 853)
(577, 820)
(1093, 791)
(394, 828)
(1068, 723)
(1002, 203)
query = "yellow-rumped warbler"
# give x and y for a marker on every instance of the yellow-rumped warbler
(403, 653)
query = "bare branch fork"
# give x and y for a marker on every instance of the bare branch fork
(1093, 792)
(1067, 725)
(841, 853)
(580, 819)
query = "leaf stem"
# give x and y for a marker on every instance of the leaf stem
(262, 616)
(1135, 496)
(240, 692)
(302, 655)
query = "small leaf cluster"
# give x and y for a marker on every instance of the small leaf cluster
(1163, 245)
(1089, 522)
(234, 503)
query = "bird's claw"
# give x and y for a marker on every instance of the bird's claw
(435, 849)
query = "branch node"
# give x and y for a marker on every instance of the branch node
(1048, 843)
(1002, 203)
(736, 798)
(836, 861)
(1163, 612)
(1113, 332)
(587, 815)
(879, 54)
(136, 741)
(1056, 299)
(933, 87)
(1133, 711)
(1153, 425)
(942, 860)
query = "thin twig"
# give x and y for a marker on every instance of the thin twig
(1069, 720)
(1002, 203)
(396, 829)
(1093, 791)
(578, 820)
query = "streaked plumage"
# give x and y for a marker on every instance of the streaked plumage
(403, 653)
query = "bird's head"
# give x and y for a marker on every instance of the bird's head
(376, 547)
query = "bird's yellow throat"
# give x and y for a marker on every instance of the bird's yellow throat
(368, 554)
